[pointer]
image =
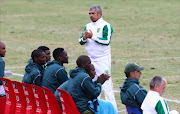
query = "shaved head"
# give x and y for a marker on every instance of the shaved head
(2, 49)
(84, 62)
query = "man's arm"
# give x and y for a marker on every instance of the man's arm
(61, 75)
(140, 95)
(2, 65)
(161, 107)
(81, 41)
(107, 34)
(93, 90)
(34, 77)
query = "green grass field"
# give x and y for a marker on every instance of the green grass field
(145, 31)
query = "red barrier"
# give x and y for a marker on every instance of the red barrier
(53, 105)
(68, 105)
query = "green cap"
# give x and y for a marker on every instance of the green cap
(130, 67)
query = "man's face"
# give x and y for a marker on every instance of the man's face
(92, 71)
(161, 89)
(41, 60)
(136, 74)
(48, 55)
(2, 49)
(64, 57)
(94, 15)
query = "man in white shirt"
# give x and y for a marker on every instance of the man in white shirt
(153, 102)
(97, 37)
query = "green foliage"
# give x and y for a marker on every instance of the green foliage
(145, 31)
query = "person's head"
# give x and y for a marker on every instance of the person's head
(95, 13)
(47, 52)
(84, 62)
(92, 71)
(39, 57)
(158, 84)
(60, 55)
(2, 49)
(132, 70)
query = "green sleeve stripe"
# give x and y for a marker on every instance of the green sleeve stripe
(99, 84)
(83, 32)
(166, 104)
(105, 35)
(81, 42)
(159, 108)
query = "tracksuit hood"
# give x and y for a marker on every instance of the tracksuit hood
(73, 72)
(53, 62)
(128, 82)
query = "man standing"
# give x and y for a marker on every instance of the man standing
(132, 94)
(34, 70)
(97, 37)
(153, 102)
(2, 66)
(55, 73)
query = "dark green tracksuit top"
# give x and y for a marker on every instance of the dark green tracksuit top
(33, 74)
(2, 67)
(54, 75)
(132, 94)
(81, 88)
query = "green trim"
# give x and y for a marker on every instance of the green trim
(81, 37)
(166, 105)
(105, 34)
(159, 108)
(99, 84)
(82, 43)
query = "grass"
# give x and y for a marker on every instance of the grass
(145, 32)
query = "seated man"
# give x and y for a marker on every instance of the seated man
(2, 66)
(153, 102)
(34, 70)
(102, 106)
(80, 85)
(55, 73)
(132, 94)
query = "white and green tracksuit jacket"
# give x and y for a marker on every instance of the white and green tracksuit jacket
(99, 45)
(154, 104)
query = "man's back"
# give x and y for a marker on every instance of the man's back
(81, 88)
(54, 75)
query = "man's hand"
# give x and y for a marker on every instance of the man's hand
(87, 34)
(102, 78)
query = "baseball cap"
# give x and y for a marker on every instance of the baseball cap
(130, 67)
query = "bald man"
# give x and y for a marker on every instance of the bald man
(2, 66)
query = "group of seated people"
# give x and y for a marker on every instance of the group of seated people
(41, 71)
(52, 74)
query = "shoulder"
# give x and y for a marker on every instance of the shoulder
(35, 72)
(105, 23)
(1, 60)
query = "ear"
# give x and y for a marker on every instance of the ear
(35, 60)
(131, 74)
(155, 86)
